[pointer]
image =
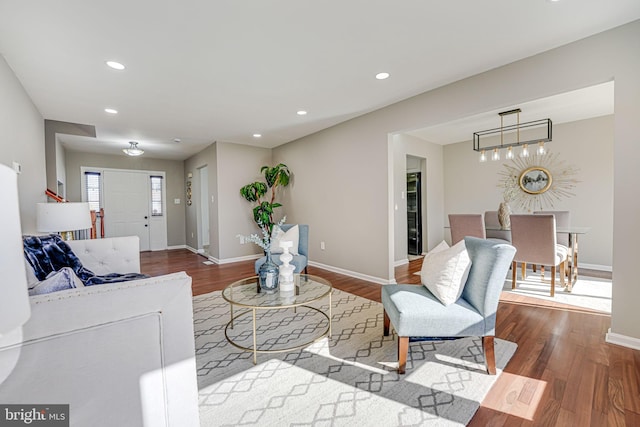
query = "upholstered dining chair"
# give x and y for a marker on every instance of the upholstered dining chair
(563, 220)
(534, 237)
(492, 226)
(299, 261)
(414, 311)
(462, 225)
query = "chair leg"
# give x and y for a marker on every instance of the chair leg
(514, 274)
(542, 272)
(387, 322)
(563, 271)
(553, 281)
(403, 350)
(533, 266)
(524, 270)
(489, 355)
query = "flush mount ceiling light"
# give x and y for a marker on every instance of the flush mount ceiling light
(382, 76)
(115, 65)
(133, 149)
(537, 131)
(257, 135)
(301, 113)
(110, 111)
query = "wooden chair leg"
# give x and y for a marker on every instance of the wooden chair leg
(553, 281)
(533, 266)
(403, 350)
(489, 355)
(542, 272)
(514, 273)
(387, 322)
(563, 271)
(524, 270)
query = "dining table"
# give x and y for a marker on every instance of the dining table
(573, 232)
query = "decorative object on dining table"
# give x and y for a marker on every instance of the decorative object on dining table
(537, 182)
(504, 213)
(276, 176)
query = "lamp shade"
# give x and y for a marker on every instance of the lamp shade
(58, 217)
(14, 303)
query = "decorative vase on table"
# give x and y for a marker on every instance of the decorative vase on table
(286, 279)
(504, 213)
(268, 275)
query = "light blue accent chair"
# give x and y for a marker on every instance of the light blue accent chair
(415, 312)
(299, 261)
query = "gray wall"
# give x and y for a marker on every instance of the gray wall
(174, 170)
(473, 187)
(230, 166)
(206, 157)
(22, 141)
(344, 175)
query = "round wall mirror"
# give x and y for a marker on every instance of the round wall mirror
(535, 180)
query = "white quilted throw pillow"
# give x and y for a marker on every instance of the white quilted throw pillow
(445, 270)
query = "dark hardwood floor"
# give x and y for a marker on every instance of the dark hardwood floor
(563, 373)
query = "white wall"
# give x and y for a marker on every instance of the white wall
(22, 141)
(345, 184)
(474, 187)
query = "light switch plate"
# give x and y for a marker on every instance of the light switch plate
(176, 201)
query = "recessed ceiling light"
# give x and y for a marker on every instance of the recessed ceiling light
(115, 65)
(382, 76)
(110, 111)
(301, 113)
(257, 135)
(177, 140)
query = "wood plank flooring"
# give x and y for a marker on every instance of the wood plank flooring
(563, 373)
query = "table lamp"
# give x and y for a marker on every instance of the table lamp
(63, 218)
(14, 302)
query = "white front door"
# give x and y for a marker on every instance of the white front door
(126, 205)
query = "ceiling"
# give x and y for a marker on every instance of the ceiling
(205, 71)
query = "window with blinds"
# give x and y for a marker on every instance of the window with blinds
(93, 190)
(156, 196)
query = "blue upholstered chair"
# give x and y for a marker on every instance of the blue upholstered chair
(415, 312)
(299, 261)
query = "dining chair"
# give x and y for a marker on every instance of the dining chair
(492, 227)
(535, 240)
(563, 220)
(466, 225)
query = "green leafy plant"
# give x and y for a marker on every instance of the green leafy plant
(257, 192)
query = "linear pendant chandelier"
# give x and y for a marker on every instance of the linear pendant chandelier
(494, 140)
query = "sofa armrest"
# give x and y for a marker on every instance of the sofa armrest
(110, 255)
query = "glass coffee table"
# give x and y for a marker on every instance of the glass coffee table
(243, 295)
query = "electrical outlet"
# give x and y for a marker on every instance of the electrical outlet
(322, 246)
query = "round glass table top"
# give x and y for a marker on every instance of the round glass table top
(308, 288)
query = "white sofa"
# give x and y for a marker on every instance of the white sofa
(119, 354)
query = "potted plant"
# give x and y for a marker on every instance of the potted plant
(263, 214)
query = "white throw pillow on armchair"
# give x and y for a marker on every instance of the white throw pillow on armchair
(445, 270)
(279, 235)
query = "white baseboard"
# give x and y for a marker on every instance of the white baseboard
(623, 340)
(236, 259)
(401, 262)
(194, 250)
(170, 248)
(353, 274)
(595, 267)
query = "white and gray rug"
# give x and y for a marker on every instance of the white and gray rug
(348, 380)
(588, 292)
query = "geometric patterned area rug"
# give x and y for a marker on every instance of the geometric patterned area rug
(346, 380)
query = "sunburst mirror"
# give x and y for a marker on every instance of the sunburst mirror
(537, 182)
